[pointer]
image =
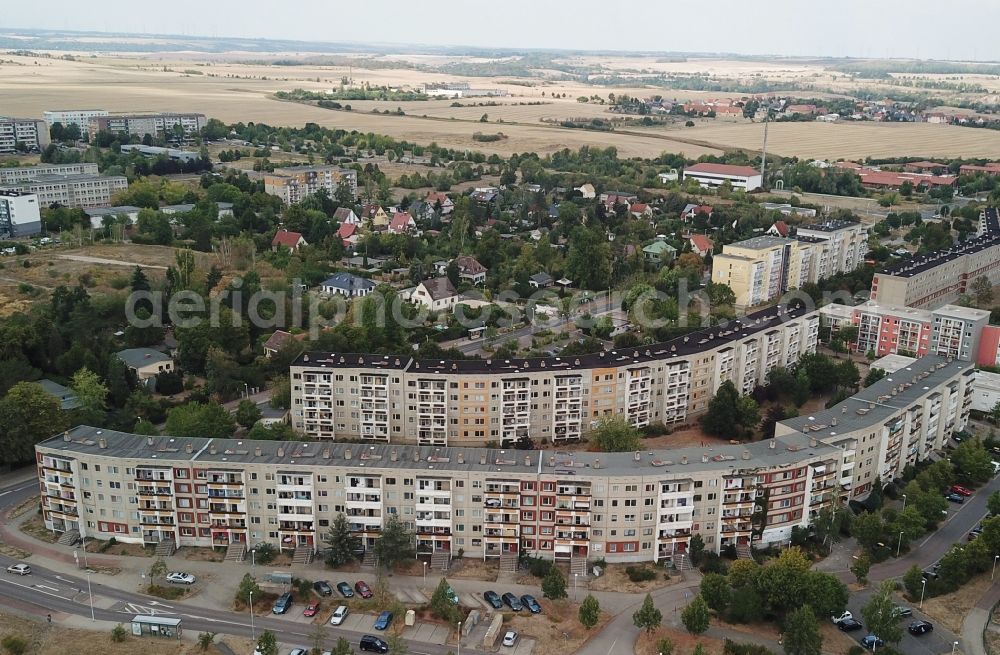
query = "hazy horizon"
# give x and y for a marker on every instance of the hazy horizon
(853, 28)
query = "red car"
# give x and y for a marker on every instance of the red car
(363, 589)
(311, 609)
(958, 489)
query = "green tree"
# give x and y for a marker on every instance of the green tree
(860, 568)
(89, 390)
(696, 548)
(341, 542)
(397, 646)
(695, 616)
(614, 434)
(267, 643)
(647, 617)
(982, 291)
(590, 612)
(729, 414)
(441, 605)
(200, 420)
(342, 647)
(119, 633)
(554, 584)
(993, 503)
(802, 635)
(716, 592)
(205, 640)
(28, 414)
(665, 646)
(248, 586)
(972, 459)
(158, 569)
(394, 544)
(913, 581)
(880, 614)
(247, 413)
(867, 529)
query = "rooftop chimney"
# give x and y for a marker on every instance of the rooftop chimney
(102, 443)
(771, 444)
(347, 453)
(813, 443)
(684, 459)
(461, 458)
(597, 463)
(482, 460)
(212, 450)
(281, 451)
(189, 448)
(149, 441)
(257, 452)
(704, 458)
(327, 453)
(66, 435)
(393, 455)
(746, 454)
(527, 460)
(416, 455)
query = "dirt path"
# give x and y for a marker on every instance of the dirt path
(113, 262)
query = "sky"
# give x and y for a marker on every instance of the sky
(925, 29)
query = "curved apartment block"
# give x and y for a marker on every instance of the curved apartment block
(625, 507)
(393, 399)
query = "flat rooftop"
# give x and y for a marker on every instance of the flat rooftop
(53, 178)
(87, 440)
(926, 262)
(760, 243)
(876, 404)
(829, 226)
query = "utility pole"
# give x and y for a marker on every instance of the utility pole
(763, 152)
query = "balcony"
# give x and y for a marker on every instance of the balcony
(154, 475)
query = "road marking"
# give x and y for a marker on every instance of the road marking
(16, 489)
(612, 646)
(41, 586)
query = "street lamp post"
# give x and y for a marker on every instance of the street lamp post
(253, 632)
(91, 596)
(904, 502)
(923, 588)
(575, 576)
(425, 575)
(458, 638)
(995, 558)
(899, 544)
(954, 645)
(253, 561)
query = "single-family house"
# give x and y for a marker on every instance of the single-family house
(470, 269)
(375, 215)
(279, 340)
(291, 240)
(641, 210)
(435, 294)
(146, 364)
(701, 245)
(66, 396)
(348, 233)
(670, 176)
(439, 201)
(659, 252)
(346, 216)
(587, 191)
(421, 211)
(346, 284)
(402, 223)
(540, 280)
(779, 229)
(691, 210)
(484, 195)
(441, 267)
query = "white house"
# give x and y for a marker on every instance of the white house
(346, 216)
(711, 176)
(436, 294)
(346, 284)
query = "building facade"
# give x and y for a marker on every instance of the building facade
(295, 183)
(28, 173)
(23, 133)
(711, 176)
(837, 247)
(938, 278)
(156, 125)
(552, 400)
(73, 190)
(762, 268)
(19, 214)
(79, 117)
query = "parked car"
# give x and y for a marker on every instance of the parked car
(178, 577)
(383, 621)
(871, 642)
(510, 638)
(493, 598)
(345, 590)
(903, 610)
(373, 644)
(283, 603)
(955, 498)
(918, 628)
(532, 604)
(363, 589)
(312, 609)
(298, 651)
(843, 617)
(339, 615)
(512, 601)
(19, 569)
(959, 489)
(323, 588)
(849, 625)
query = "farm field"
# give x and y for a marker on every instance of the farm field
(234, 91)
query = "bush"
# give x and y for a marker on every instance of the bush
(166, 593)
(119, 633)
(539, 567)
(736, 648)
(640, 573)
(712, 563)
(265, 553)
(14, 645)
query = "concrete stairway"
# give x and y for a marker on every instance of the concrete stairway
(440, 560)
(236, 552)
(303, 555)
(508, 563)
(165, 548)
(68, 538)
(578, 566)
(369, 559)
(743, 551)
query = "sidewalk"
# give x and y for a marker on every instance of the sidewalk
(976, 621)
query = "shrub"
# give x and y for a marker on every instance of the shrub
(119, 633)
(14, 645)
(265, 553)
(539, 567)
(640, 573)
(736, 648)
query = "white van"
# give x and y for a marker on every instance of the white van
(996, 467)
(338, 615)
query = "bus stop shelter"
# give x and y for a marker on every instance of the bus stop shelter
(156, 626)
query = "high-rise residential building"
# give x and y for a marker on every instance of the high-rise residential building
(73, 190)
(838, 247)
(761, 269)
(553, 400)
(500, 503)
(156, 125)
(934, 279)
(79, 117)
(25, 134)
(19, 214)
(295, 183)
(27, 173)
